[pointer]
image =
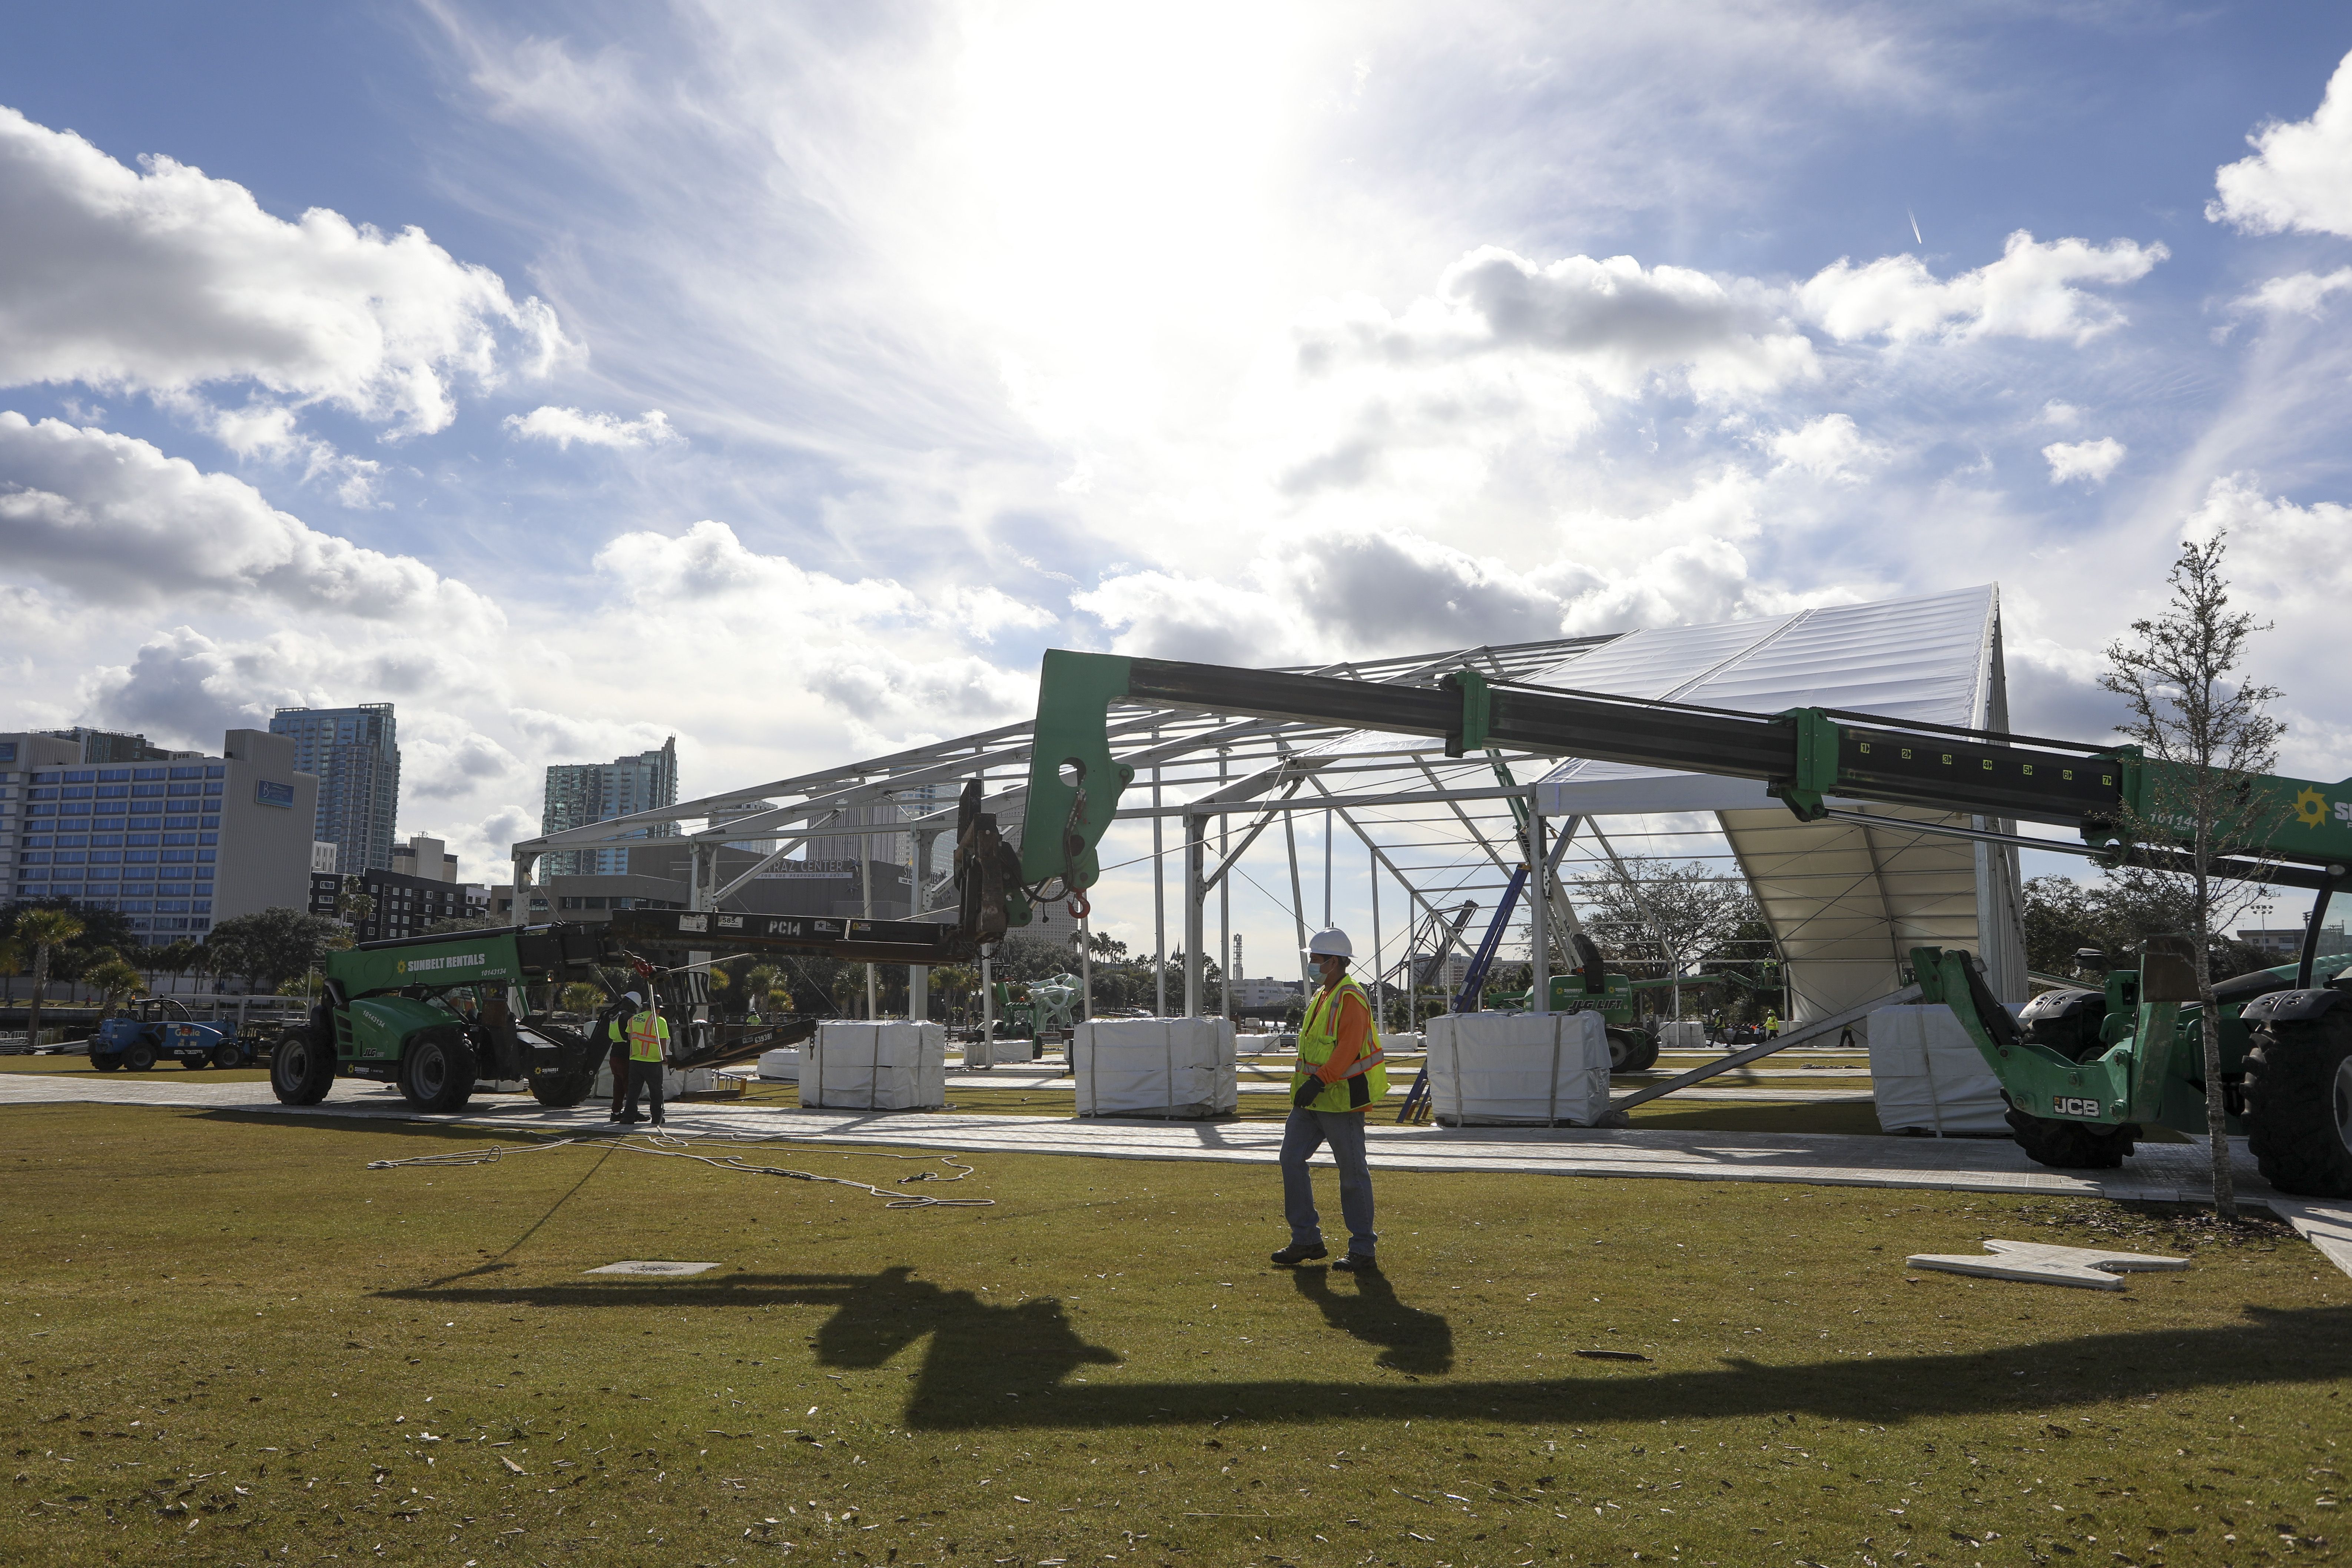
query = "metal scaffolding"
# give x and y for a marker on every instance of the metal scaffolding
(1841, 903)
(1441, 829)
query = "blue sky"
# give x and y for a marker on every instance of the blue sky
(786, 378)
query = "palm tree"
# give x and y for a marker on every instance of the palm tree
(759, 985)
(582, 997)
(114, 978)
(13, 954)
(44, 929)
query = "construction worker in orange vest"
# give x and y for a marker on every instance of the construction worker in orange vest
(1339, 1075)
(648, 1045)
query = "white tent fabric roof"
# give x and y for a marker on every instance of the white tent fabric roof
(1926, 659)
(1846, 900)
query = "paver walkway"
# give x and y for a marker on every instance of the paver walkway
(2160, 1172)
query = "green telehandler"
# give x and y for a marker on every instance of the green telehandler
(439, 1015)
(2082, 1071)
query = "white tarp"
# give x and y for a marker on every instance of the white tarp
(876, 1067)
(1518, 1070)
(1155, 1067)
(782, 1064)
(1929, 1076)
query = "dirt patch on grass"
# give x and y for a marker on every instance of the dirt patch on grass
(2155, 1227)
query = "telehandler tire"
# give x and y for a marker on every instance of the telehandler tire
(437, 1073)
(1632, 1050)
(301, 1070)
(193, 1063)
(107, 1064)
(562, 1090)
(2299, 1105)
(138, 1056)
(2071, 1145)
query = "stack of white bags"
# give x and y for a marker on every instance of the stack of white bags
(875, 1066)
(1928, 1075)
(1174, 1068)
(1518, 1070)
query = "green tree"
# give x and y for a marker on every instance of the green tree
(273, 945)
(15, 958)
(47, 931)
(114, 978)
(2189, 705)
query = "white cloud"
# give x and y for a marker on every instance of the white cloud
(1329, 593)
(2031, 293)
(565, 426)
(2061, 414)
(1620, 325)
(2091, 460)
(1829, 448)
(2297, 293)
(189, 686)
(117, 520)
(2300, 176)
(167, 280)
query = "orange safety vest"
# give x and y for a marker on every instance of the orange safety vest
(648, 1033)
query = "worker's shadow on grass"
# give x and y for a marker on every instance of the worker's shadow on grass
(1412, 1341)
(983, 1352)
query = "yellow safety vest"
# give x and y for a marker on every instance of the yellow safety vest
(645, 1043)
(1367, 1082)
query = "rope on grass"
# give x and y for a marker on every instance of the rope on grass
(678, 1148)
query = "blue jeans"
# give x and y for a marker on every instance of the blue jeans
(1305, 1132)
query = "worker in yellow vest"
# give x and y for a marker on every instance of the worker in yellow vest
(648, 1045)
(1339, 1075)
(616, 1044)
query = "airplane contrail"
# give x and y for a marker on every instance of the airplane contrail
(1915, 225)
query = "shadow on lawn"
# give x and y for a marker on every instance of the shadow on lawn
(992, 1365)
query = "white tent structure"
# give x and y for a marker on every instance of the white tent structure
(1845, 902)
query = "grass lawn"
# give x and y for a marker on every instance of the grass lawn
(230, 1341)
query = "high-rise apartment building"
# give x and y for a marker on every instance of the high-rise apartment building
(355, 752)
(580, 793)
(872, 830)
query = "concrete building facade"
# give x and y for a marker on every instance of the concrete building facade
(354, 752)
(175, 847)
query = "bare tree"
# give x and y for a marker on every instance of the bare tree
(2191, 709)
(1682, 911)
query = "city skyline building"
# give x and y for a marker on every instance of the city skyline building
(355, 754)
(111, 746)
(175, 847)
(580, 793)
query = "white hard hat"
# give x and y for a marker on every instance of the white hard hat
(1333, 943)
(632, 996)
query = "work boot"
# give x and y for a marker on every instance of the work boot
(1357, 1263)
(631, 1119)
(1301, 1252)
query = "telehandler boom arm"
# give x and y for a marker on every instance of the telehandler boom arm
(2111, 795)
